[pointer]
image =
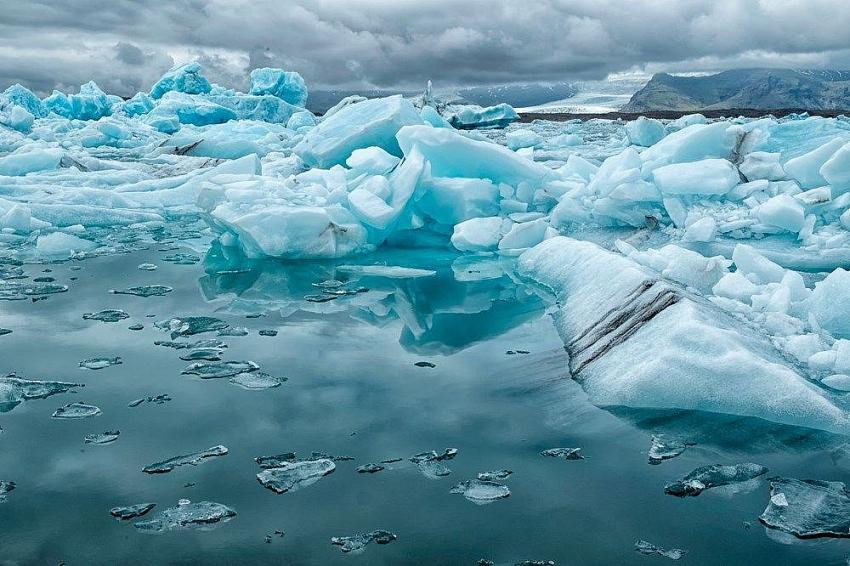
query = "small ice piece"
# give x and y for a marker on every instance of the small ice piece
(17, 291)
(808, 508)
(107, 437)
(782, 211)
(145, 291)
(424, 364)
(389, 271)
(714, 475)
(649, 549)
(202, 515)
(100, 363)
(291, 476)
(191, 325)
(256, 380)
(706, 177)
(563, 453)
(645, 131)
(472, 116)
(233, 331)
(839, 381)
(518, 139)
(703, 230)
(357, 543)
(136, 326)
(481, 492)
(267, 332)
(214, 370)
(182, 259)
(107, 315)
(61, 244)
(147, 266)
(5, 487)
(478, 234)
(76, 410)
(4, 331)
(664, 448)
(187, 459)
(432, 464)
(131, 511)
(494, 475)
(320, 298)
(275, 461)
(14, 390)
(369, 468)
(830, 303)
(208, 354)
(158, 399)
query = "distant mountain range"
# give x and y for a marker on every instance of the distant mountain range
(761, 89)
(516, 95)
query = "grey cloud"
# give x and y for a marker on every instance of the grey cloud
(357, 43)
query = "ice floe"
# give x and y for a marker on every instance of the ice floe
(808, 508)
(186, 459)
(76, 410)
(201, 515)
(357, 543)
(715, 475)
(131, 511)
(481, 492)
(294, 475)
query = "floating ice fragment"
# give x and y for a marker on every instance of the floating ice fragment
(267, 332)
(4, 331)
(256, 380)
(191, 325)
(147, 267)
(208, 354)
(131, 511)
(187, 459)
(275, 461)
(494, 475)
(233, 331)
(136, 326)
(182, 259)
(649, 549)
(100, 363)
(357, 543)
(107, 315)
(432, 464)
(714, 475)
(294, 475)
(17, 291)
(213, 370)
(389, 271)
(145, 291)
(5, 488)
(424, 364)
(200, 344)
(471, 117)
(808, 508)
(107, 437)
(185, 515)
(563, 453)
(14, 390)
(158, 399)
(76, 410)
(664, 448)
(369, 468)
(481, 492)
(320, 298)
(61, 244)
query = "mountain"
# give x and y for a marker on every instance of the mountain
(761, 89)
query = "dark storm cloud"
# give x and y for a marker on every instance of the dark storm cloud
(126, 44)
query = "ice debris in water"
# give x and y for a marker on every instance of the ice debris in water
(357, 543)
(369, 468)
(664, 448)
(423, 364)
(213, 370)
(187, 459)
(197, 345)
(5, 487)
(147, 266)
(182, 259)
(100, 363)
(432, 464)
(563, 453)
(388, 271)
(131, 511)
(714, 475)
(201, 515)
(808, 508)
(494, 475)
(256, 380)
(266, 332)
(18, 291)
(14, 390)
(649, 549)
(481, 492)
(158, 399)
(76, 410)
(136, 326)
(208, 354)
(107, 315)
(107, 437)
(294, 475)
(191, 325)
(233, 331)
(275, 460)
(4, 331)
(144, 291)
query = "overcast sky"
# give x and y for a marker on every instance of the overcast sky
(124, 45)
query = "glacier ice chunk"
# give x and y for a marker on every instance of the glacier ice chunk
(829, 303)
(287, 85)
(808, 508)
(706, 177)
(182, 78)
(645, 131)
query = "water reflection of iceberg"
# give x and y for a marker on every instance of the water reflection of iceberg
(465, 301)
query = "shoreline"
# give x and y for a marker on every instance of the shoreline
(674, 114)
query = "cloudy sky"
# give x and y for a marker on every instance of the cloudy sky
(125, 45)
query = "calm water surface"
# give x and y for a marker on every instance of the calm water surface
(353, 389)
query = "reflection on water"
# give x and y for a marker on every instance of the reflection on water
(466, 301)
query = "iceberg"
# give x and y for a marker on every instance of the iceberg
(286, 85)
(181, 78)
(645, 131)
(471, 117)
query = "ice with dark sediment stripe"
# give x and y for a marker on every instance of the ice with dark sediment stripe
(649, 549)
(5, 488)
(131, 511)
(357, 543)
(665, 448)
(214, 370)
(201, 515)
(144, 291)
(14, 390)
(808, 508)
(715, 475)
(191, 325)
(432, 465)
(107, 315)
